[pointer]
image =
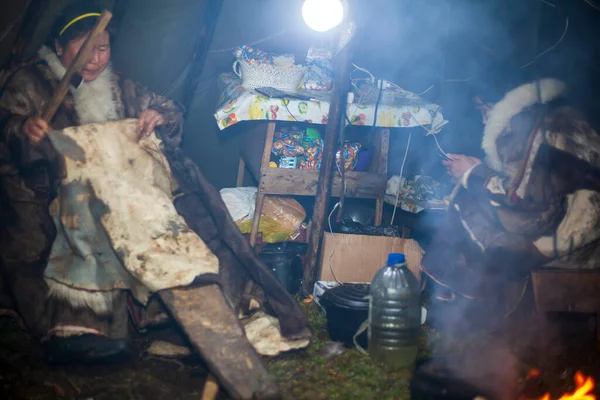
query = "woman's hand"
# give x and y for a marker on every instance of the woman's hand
(35, 129)
(148, 120)
(459, 164)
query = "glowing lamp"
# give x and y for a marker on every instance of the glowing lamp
(322, 15)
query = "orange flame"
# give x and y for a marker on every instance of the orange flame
(583, 387)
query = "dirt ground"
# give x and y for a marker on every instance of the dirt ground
(311, 374)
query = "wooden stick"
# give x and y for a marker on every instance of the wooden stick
(75, 68)
(337, 108)
(211, 388)
(214, 331)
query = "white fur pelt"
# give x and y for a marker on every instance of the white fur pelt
(512, 104)
(94, 101)
(101, 303)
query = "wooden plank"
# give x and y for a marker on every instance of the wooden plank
(241, 173)
(337, 108)
(303, 182)
(260, 195)
(383, 151)
(379, 211)
(260, 201)
(566, 291)
(211, 389)
(381, 143)
(214, 331)
(357, 258)
(264, 164)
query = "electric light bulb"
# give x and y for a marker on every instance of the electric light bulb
(322, 15)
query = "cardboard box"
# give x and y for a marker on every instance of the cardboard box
(357, 258)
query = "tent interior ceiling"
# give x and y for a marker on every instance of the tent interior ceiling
(463, 47)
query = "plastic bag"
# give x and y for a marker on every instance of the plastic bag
(286, 211)
(239, 202)
(269, 228)
(280, 220)
(281, 216)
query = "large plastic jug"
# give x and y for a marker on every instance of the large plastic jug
(394, 314)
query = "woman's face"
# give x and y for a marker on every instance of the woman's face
(97, 61)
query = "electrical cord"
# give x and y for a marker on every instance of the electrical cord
(549, 49)
(589, 2)
(377, 105)
(341, 167)
(334, 244)
(400, 180)
(592, 4)
(285, 104)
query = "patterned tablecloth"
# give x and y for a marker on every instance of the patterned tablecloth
(239, 104)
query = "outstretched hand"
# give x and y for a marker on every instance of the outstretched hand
(459, 164)
(148, 120)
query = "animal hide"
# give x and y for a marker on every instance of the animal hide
(117, 226)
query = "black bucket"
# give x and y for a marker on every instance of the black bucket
(285, 260)
(434, 380)
(347, 309)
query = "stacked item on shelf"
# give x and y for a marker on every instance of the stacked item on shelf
(300, 148)
(416, 195)
(282, 218)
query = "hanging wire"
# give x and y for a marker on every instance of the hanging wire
(546, 2)
(593, 5)
(400, 180)
(549, 49)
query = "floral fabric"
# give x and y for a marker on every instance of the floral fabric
(239, 104)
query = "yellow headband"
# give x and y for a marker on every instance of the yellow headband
(77, 19)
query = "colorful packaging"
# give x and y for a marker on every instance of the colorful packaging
(287, 162)
(319, 75)
(304, 150)
(253, 56)
(351, 151)
(288, 142)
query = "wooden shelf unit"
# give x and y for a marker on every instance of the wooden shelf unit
(256, 154)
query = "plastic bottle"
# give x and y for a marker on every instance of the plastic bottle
(394, 314)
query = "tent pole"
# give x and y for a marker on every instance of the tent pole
(211, 16)
(335, 124)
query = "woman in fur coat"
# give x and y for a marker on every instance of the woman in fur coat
(535, 201)
(78, 325)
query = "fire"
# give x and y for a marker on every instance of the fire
(583, 387)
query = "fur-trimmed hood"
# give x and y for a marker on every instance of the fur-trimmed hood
(513, 103)
(94, 100)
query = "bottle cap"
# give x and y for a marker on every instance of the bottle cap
(395, 259)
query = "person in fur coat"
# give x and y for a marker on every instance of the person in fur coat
(534, 202)
(78, 325)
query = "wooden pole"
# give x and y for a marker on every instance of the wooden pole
(75, 67)
(211, 16)
(214, 331)
(335, 122)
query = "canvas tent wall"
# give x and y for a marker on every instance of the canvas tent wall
(460, 46)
